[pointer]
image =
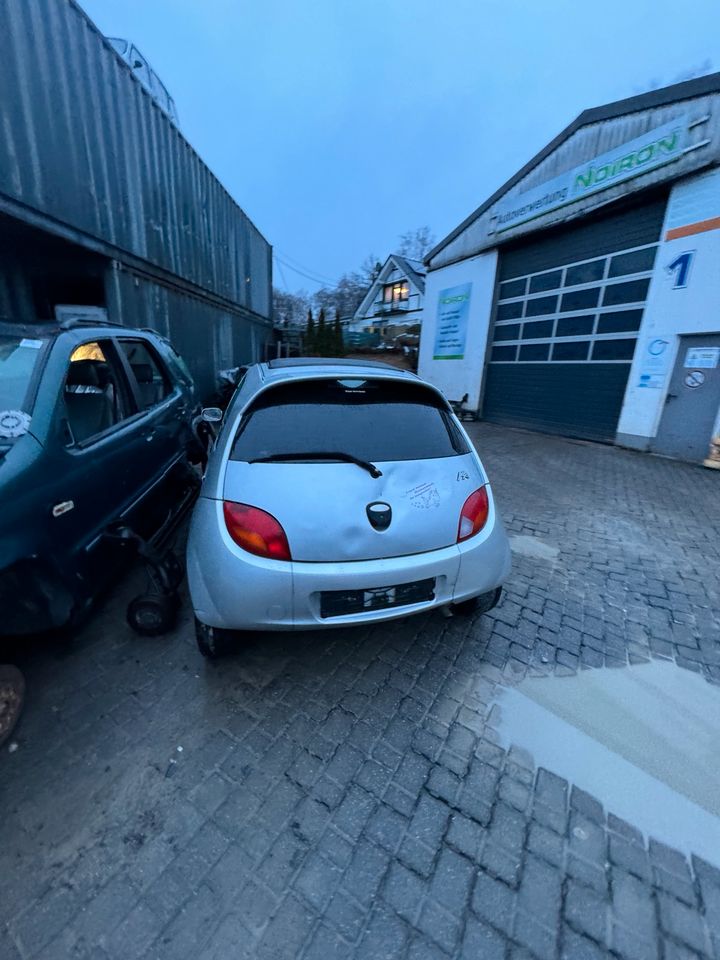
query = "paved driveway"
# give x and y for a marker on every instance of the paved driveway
(352, 794)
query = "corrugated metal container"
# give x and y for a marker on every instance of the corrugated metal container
(702, 149)
(209, 337)
(83, 144)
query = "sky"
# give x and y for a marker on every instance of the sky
(337, 125)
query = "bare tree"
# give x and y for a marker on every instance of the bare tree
(290, 309)
(416, 243)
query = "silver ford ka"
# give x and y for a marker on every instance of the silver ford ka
(339, 492)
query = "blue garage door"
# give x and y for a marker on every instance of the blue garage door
(568, 310)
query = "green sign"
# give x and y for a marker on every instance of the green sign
(452, 319)
(651, 150)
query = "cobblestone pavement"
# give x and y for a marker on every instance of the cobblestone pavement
(343, 794)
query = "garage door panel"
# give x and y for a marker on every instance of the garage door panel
(572, 399)
(569, 307)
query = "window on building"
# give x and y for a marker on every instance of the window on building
(504, 354)
(637, 261)
(585, 273)
(513, 288)
(538, 330)
(534, 351)
(574, 326)
(539, 305)
(619, 321)
(509, 332)
(396, 292)
(571, 350)
(633, 291)
(613, 349)
(510, 311)
(580, 299)
(545, 281)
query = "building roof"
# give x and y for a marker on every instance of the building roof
(415, 270)
(688, 89)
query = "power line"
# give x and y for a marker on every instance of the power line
(303, 273)
(282, 274)
(302, 266)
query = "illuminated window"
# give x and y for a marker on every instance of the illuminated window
(396, 292)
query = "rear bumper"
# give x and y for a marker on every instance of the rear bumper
(236, 590)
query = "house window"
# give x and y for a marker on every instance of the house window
(396, 292)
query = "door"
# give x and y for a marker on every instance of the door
(86, 479)
(569, 305)
(159, 439)
(693, 400)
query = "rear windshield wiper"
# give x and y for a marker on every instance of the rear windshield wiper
(323, 455)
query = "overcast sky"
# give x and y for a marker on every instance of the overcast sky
(339, 124)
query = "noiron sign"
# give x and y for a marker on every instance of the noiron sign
(653, 149)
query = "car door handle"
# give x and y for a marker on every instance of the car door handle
(150, 435)
(670, 396)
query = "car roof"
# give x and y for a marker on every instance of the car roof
(54, 329)
(304, 367)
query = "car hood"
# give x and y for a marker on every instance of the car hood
(323, 506)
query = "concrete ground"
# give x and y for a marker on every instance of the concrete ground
(429, 788)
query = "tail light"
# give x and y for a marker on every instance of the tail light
(473, 515)
(256, 531)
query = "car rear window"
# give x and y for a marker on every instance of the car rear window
(376, 420)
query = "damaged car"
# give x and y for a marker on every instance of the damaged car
(339, 493)
(96, 444)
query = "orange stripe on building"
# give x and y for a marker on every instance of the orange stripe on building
(700, 227)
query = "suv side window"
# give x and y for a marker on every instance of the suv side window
(153, 382)
(95, 392)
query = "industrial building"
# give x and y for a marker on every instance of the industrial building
(583, 297)
(104, 203)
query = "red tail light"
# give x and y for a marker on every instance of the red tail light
(256, 531)
(473, 515)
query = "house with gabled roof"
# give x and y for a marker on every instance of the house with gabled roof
(394, 301)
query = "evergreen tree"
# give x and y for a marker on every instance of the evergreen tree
(322, 335)
(310, 336)
(338, 344)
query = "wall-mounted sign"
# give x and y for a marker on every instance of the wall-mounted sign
(630, 159)
(452, 319)
(694, 379)
(654, 363)
(702, 357)
(679, 269)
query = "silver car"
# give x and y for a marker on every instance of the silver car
(339, 492)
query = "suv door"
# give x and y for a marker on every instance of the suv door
(163, 406)
(88, 483)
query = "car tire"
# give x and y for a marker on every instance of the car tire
(213, 642)
(480, 605)
(151, 615)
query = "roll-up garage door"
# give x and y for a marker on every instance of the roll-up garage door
(568, 310)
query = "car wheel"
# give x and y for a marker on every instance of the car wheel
(481, 604)
(212, 642)
(152, 614)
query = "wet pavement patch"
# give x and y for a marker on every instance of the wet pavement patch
(642, 740)
(533, 548)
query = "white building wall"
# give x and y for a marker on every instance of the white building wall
(693, 208)
(458, 377)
